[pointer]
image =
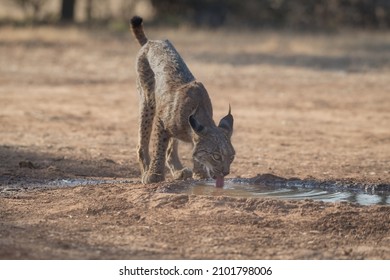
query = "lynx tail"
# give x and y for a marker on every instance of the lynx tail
(138, 30)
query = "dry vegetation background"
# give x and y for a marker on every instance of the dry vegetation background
(300, 14)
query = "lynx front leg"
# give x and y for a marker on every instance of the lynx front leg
(155, 173)
(178, 171)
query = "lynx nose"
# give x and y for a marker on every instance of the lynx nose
(225, 169)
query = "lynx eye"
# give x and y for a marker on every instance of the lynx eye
(216, 157)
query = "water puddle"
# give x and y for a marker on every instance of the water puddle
(262, 186)
(298, 191)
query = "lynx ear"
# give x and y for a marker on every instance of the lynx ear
(195, 125)
(226, 123)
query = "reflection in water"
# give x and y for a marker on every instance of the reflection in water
(241, 188)
(247, 190)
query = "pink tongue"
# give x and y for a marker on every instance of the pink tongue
(219, 182)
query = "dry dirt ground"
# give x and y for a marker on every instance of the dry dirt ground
(305, 105)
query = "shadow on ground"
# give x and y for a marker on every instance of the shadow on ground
(26, 165)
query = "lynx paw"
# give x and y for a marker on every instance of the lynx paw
(183, 174)
(149, 178)
(200, 175)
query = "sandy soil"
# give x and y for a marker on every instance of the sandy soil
(307, 106)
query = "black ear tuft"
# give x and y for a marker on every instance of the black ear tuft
(226, 123)
(196, 126)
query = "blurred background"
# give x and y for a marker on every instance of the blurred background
(301, 14)
(308, 81)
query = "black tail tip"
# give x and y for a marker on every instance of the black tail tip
(136, 21)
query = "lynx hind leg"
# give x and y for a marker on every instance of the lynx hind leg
(179, 172)
(145, 86)
(145, 130)
(156, 173)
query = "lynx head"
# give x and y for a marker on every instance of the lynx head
(213, 148)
